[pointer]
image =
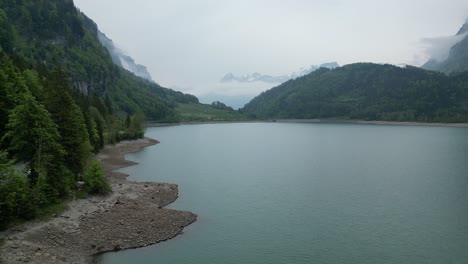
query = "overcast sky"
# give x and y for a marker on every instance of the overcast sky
(189, 45)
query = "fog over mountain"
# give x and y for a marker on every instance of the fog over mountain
(123, 60)
(449, 54)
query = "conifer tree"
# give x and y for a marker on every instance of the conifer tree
(33, 137)
(12, 89)
(71, 124)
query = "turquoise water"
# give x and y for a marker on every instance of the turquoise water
(310, 193)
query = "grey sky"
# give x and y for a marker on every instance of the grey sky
(190, 45)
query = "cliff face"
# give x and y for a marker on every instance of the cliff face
(457, 60)
(44, 35)
(123, 60)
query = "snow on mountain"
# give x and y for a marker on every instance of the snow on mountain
(257, 77)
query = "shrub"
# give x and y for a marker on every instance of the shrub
(95, 182)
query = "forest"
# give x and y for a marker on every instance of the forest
(61, 100)
(369, 92)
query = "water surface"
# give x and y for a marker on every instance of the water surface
(310, 193)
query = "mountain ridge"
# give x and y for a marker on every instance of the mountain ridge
(258, 77)
(123, 60)
(367, 91)
(457, 60)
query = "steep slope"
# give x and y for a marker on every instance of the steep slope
(44, 35)
(368, 91)
(457, 61)
(123, 60)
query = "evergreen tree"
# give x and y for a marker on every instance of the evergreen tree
(15, 194)
(127, 121)
(100, 125)
(91, 127)
(33, 137)
(71, 124)
(12, 89)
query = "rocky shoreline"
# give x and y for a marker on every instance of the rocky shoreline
(131, 216)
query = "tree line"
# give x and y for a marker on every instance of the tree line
(55, 131)
(370, 92)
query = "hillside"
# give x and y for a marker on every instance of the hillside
(47, 34)
(123, 60)
(367, 91)
(457, 61)
(62, 99)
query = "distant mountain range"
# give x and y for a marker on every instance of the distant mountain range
(457, 60)
(257, 77)
(123, 60)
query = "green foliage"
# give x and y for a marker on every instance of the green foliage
(70, 121)
(62, 98)
(95, 182)
(45, 34)
(367, 91)
(15, 194)
(133, 127)
(221, 106)
(207, 113)
(12, 89)
(52, 210)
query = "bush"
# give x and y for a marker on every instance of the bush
(15, 194)
(95, 182)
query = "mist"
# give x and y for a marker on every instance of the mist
(439, 48)
(190, 45)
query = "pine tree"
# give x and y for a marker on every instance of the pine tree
(71, 124)
(15, 194)
(12, 89)
(33, 137)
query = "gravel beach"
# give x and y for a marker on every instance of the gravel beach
(132, 216)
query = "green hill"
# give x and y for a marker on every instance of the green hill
(61, 100)
(43, 34)
(367, 91)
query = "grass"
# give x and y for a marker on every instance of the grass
(207, 113)
(50, 211)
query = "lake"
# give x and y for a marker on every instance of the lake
(310, 193)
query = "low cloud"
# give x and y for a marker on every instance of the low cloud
(439, 48)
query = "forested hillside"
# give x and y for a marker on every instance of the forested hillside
(61, 100)
(43, 34)
(368, 91)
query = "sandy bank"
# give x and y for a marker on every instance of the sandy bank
(131, 216)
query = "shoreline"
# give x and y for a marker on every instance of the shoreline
(131, 216)
(364, 122)
(323, 121)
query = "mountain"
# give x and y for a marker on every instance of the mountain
(123, 60)
(257, 77)
(44, 35)
(254, 77)
(367, 91)
(457, 60)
